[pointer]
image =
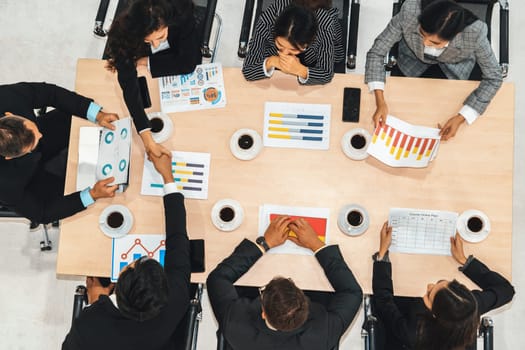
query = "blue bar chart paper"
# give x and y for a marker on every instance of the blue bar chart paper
(297, 125)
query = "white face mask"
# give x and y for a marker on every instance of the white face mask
(433, 51)
(162, 46)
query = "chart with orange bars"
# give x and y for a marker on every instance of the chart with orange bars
(318, 218)
(400, 144)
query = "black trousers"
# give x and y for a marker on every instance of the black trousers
(434, 72)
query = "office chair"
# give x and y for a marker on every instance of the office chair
(186, 333)
(483, 10)
(370, 327)
(205, 18)
(253, 9)
(45, 243)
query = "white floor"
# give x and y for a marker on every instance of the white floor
(41, 41)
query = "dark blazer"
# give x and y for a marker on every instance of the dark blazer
(240, 318)
(20, 177)
(181, 58)
(101, 325)
(458, 59)
(400, 327)
(320, 57)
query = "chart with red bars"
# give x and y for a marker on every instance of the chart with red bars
(400, 144)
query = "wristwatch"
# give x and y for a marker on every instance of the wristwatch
(262, 242)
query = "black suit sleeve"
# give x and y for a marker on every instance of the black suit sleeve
(385, 307)
(127, 78)
(496, 289)
(345, 302)
(221, 291)
(177, 261)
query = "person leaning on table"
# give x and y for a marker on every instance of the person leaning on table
(448, 315)
(283, 317)
(437, 38)
(33, 150)
(149, 301)
(299, 37)
(158, 34)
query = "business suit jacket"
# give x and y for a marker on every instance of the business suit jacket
(320, 57)
(400, 327)
(458, 59)
(240, 318)
(102, 326)
(20, 177)
(183, 55)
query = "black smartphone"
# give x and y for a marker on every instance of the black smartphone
(197, 255)
(351, 104)
(144, 92)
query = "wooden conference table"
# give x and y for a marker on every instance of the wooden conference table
(473, 170)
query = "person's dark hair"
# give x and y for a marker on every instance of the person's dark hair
(142, 290)
(104, 281)
(314, 4)
(296, 24)
(14, 136)
(444, 18)
(141, 18)
(286, 307)
(453, 321)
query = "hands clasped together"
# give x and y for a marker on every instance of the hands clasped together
(298, 231)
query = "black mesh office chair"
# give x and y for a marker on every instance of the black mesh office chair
(347, 8)
(205, 18)
(186, 333)
(483, 10)
(370, 327)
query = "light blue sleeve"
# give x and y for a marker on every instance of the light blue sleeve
(92, 112)
(86, 198)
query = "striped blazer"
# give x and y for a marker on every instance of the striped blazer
(458, 59)
(319, 57)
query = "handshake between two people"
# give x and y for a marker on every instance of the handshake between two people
(299, 231)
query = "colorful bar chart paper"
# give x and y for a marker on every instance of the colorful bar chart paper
(191, 172)
(295, 125)
(419, 231)
(400, 144)
(318, 218)
(129, 248)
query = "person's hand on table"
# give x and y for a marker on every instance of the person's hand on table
(277, 232)
(306, 236)
(290, 64)
(104, 119)
(381, 112)
(101, 189)
(163, 166)
(385, 240)
(450, 128)
(95, 289)
(272, 62)
(456, 248)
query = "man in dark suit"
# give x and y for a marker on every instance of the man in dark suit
(149, 302)
(33, 150)
(283, 317)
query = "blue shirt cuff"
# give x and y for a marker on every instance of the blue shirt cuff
(86, 198)
(92, 112)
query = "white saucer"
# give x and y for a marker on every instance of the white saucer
(465, 233)
(121, 231)
(348, 150)
(227, 226)
(246, 154)
(166, 131)
(345, 227)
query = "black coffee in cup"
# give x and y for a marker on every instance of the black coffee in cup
(115, 219)
(157, 124)
(245, 142)
(226, 214)
(354, 218)
(358, 141)
(475, 224)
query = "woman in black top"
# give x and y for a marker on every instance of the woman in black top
(447, 317)
(160, 34)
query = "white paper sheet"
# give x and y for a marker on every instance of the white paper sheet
(88, 143)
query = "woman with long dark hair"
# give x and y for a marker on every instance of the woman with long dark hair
(302, 38)
(447, 316)
(437, 39)
(159, 34)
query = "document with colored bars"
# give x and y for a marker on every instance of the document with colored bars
(400, 144)
(200, 89)
(297, 125)
(419, 231)
(129, 248)
(191, 171)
